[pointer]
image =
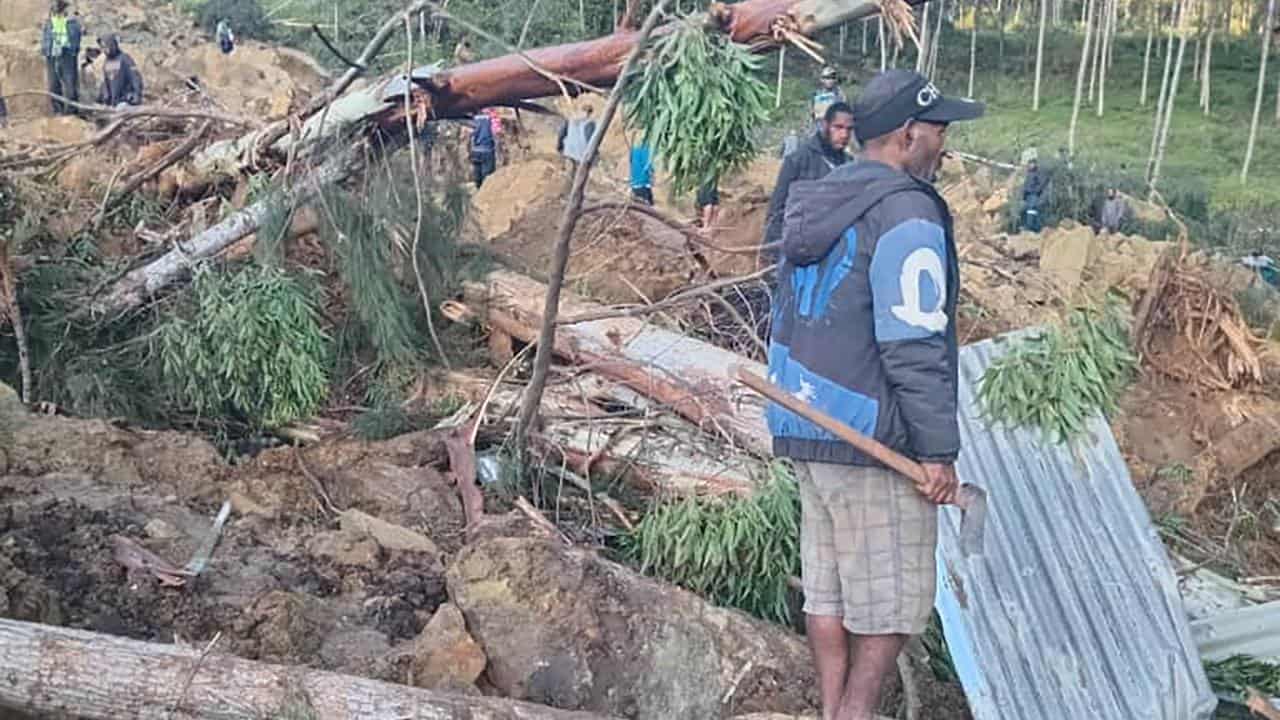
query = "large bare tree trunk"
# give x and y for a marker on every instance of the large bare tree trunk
(1146, 57)
(1262, 82)
(1090, 6)
(1044, 17)
(54, 671)
(1172, 101)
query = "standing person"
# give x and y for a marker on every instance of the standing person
(823, 152)
(641, 162)
(864, 330)
(575, 136)
(121, 81)
(1114, 212)
(483, 147)
(827, 94)
(226, 38)
(708, 203)
(1033, 188)
(60, 46)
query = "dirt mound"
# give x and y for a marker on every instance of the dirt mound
(173, 55)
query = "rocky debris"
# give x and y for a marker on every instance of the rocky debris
(176, 462)
(564, 627)
(1065, 254)
(388, 536)
(445, 656)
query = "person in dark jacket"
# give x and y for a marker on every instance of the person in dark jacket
(1033, 190)
(226, 38)
(823, 152)
(121, 81)
(483, 148)
(864, 330)
(60, 47)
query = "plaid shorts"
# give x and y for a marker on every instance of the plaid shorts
(867, 541)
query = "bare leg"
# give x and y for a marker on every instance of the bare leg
(830, 646)
(874, 657)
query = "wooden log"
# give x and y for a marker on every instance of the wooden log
(517, 78)
(691, 377)
(54, 671)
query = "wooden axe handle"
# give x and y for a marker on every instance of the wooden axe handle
(867, 445)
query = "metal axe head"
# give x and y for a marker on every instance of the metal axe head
(973, 518)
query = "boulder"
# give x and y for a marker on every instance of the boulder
(564, 627)
(1065, 254)
(444, 655)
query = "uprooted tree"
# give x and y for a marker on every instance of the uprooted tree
(391, 104)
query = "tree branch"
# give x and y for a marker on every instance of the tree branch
(546, 337)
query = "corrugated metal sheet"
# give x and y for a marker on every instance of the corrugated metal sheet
(1253, 630)
(1072, 611)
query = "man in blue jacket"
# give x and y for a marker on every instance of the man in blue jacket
(864, 329)
(483, 149)
(60, 46)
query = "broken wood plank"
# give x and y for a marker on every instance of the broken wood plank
(74, 673)
(688, 376)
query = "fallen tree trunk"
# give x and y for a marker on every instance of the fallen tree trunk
(519, 77)
(74, 673)
(691, 377)
(140, 284)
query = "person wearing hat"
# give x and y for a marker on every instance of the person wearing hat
(864, 330)
(827, 94)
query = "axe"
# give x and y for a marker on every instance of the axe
(971, 499)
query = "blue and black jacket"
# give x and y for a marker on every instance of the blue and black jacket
(864, 316)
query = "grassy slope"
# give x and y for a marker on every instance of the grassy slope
(1204, 154)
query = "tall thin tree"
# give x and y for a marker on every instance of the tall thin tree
(926, 40)
(931, 68)
(884, 49)
(1164, 88)
(973, 46)
(1105, 39)
(1146, 56)
(1098, 31)
(1044, 17)
(1262, 82)
(1080, 73)
(1173, 98)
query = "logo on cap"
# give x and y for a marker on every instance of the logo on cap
(928, 95)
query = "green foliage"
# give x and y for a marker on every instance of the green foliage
(935, 643)
(249, 344)
(1260, 305)
(1239, 672)
(699, 100)
(1057, 379)
(738, 552)
(1177, 472)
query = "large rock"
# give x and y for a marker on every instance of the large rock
(564, 627)
(445, 656)
(1065, 254)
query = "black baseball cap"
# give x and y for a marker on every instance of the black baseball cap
(893, 97)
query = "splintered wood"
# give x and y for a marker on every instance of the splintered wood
(1197, 332)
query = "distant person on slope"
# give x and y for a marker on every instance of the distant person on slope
(226, 38)
(483, 148)
(575, 136)
(827, 94)
(823, 152)
(121, 81)
(1033, 189)
(60, 46)
(1114, 211)
(641, 161)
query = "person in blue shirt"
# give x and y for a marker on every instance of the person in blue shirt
(642, 173)
(827, 94)
(483, 148)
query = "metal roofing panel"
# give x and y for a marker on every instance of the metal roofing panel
(1253, 630)
(1073, 610)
